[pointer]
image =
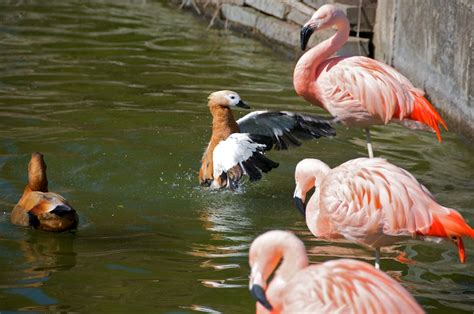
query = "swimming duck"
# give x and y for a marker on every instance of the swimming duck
(237, 147)
(39, 208)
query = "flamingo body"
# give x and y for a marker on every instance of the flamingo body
(39, 208)
(375, 203)
(338, 286)
(358, 91)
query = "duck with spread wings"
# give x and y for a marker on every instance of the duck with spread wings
(237, 148)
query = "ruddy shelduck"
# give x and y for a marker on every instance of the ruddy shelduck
(39, 208)
(338, 286)
(374, 203)
(357, 91)
(237, 147)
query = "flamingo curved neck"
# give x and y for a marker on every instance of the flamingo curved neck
(306, 70)
(294, 259)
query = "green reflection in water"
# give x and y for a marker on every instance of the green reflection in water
(114, 94)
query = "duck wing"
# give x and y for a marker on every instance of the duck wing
(286, 128)
(242, 153)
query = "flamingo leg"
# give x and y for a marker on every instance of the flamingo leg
(369, 143)
(377, 258)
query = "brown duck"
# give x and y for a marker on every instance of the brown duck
(39, 208)
(237, 147)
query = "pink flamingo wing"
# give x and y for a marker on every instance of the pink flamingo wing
(364, 196)
(344, 285)
(361, 84)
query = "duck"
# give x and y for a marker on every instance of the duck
(283, 281)
(39, 208)
(237, 148)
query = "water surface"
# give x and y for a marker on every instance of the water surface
(114, 94)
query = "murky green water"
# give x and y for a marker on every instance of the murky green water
(114, 94)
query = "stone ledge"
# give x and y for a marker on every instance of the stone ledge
(238, 14)
(278, 9)
(283, 35)
(278, 30)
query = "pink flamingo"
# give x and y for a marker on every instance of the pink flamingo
(338, 286)
(357, 91)
(374, 203)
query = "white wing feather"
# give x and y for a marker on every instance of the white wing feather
(237, 148)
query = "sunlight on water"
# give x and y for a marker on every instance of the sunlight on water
(114, 94)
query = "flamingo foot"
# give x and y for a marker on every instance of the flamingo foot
(404, 260)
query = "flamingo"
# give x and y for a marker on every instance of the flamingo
(374, 203)
(357, 91)
(39, 208)
(338, 286)
(237, 147)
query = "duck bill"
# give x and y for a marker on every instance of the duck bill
(305, 35)
(241, 104)
(259, 294)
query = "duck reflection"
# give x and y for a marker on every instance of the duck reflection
(227, 249)
(48, 253)
(227, 225)
(43, 254)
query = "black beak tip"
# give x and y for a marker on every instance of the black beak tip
(241, 104)
(305, 34)
(259, 294)
(300, 205)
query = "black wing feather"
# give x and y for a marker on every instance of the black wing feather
(285, 128)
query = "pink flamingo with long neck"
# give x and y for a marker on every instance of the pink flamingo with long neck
(357, 91)
(374, 203)
(339, 286)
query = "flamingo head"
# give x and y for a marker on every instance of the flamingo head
(265, 254)
(226, 98)
(325, 17)
(308, 174)
(37, 180)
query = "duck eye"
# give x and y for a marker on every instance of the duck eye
(232, 97)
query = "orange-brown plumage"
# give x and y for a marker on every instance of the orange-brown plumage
(39, 208)
(237, 148)
(223, 125)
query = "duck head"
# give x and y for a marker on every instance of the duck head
(226, 98)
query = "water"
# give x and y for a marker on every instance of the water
(114, 94)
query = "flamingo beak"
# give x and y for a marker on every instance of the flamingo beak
(241, 104)
(305, 34)
(259, 294)
(300, 205)
(298, 197)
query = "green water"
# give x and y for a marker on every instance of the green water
(114, 94)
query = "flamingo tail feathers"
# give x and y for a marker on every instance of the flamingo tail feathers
(461, 251)
(448, 226)
(451, 226)
(425, 113)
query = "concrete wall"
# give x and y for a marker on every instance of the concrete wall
(431, 42)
